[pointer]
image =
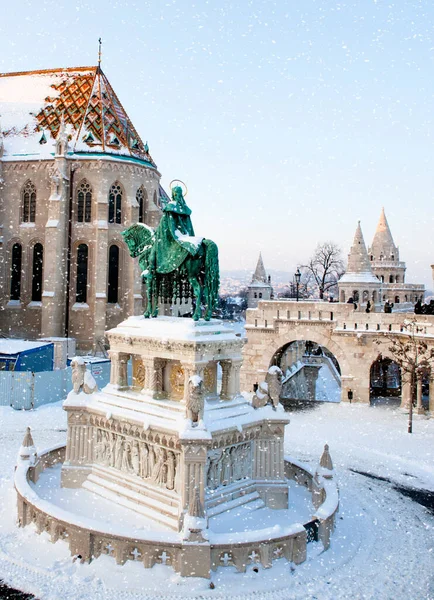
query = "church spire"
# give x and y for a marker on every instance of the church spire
(259, 274)
(383, 246)
(358, 260)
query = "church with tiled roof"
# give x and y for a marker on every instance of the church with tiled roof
(74, 172)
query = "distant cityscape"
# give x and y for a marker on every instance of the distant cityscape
(231, 282)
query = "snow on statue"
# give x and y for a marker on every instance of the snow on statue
(195, 399)
(82, 379)
(268, 391)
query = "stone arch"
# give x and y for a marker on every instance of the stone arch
(306, 384)
(385, 379)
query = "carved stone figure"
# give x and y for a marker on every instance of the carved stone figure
(118, 452)
(144, 458)
(82, 379)
(269, 391)
(171, 466)
(195, 399)
(274, 380)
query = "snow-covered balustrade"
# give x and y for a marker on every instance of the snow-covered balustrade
(87, 540)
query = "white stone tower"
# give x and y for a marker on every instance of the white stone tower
(359, 282)
(385, 263)
(260, 286)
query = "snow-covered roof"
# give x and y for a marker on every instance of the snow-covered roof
(363, 277)
(16, 346)
(33, 103)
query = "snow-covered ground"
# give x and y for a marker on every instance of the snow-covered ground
(382, 547)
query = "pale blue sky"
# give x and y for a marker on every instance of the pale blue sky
(288, 121)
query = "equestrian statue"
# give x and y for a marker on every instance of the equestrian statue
(175, 264)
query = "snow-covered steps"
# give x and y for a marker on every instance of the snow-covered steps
(251, 501)
(234, 495)
(153, 503)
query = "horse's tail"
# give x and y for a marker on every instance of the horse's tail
(212, 273)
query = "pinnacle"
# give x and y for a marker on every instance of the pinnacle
(260, 274)
(358, 261)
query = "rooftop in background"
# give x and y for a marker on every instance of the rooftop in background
(33, 103)
(8, 346)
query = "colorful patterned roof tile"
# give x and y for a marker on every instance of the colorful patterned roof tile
(32, 103)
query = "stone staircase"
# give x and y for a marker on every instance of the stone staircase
(128, 491)
(233, 496)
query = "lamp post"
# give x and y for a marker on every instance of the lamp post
(297, 280)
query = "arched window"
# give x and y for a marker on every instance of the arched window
(255, 295)
(382, 279)
(342, 296)
(17, 254)
(84, 202)
(37, 273)
(28, 203)
(82, 267)
(390, 278)
(397, 279)
(260, 294)
(396, 299)
(113, 275)
(355, 296)
(141, 200)
(115, 204)
(365, 295)
(393, 257)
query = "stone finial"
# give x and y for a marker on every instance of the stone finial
(27, 450)
(325, 463)
(259, 275)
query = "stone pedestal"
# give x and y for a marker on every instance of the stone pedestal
(166, 443)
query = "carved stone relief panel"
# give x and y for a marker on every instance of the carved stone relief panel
(210, 379)
(227, 465)
(150, 462)
(176, 379)
(138, 373)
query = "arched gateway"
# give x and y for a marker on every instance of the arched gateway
(351, 336)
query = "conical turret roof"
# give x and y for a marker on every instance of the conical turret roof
(383, 244)
(260, 274)
(359, 265)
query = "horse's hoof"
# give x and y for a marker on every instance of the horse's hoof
(146, 315)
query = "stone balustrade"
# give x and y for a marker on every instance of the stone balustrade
(87, 542)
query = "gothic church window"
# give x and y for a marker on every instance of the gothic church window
(115, 204)
(37, 273)
(28, 203)
(84, 202)
(17, 254)
(113, 275)
(141, 199)
(82, 269)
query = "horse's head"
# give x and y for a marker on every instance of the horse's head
(138, 237)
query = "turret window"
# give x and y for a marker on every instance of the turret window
(84, 202)
(37, 272)
(115, 204)
(82, 273)
(17, 254)
(141, 201)
(28, 203)
(113, 275)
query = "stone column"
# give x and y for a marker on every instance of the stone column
(405, 393)
(99, 268)
(119, 370)
(311, 373)
(226, 368)
(419, 406)
(431, 395)
(193, 465)
(56, 237)
(189, 370)
(153, 385)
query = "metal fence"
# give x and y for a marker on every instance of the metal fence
(27, 390)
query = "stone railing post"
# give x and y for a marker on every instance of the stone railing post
(419, 406)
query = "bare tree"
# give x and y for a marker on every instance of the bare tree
(325, 267)
(411, 352)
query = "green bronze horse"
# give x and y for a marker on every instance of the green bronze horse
(194, 276)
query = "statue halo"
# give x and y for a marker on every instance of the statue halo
(178, 182)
